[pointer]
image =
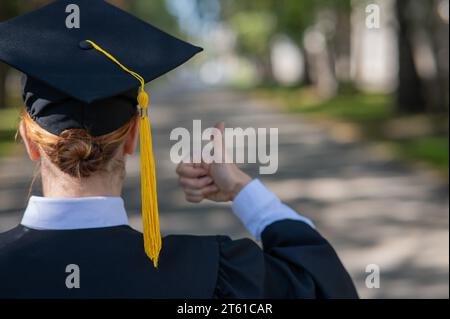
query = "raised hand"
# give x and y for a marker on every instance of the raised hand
(219, 182)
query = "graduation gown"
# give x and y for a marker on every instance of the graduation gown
(295, 262)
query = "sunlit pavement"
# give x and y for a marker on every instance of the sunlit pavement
(372, 209)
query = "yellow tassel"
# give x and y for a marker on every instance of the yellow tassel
(150, 215)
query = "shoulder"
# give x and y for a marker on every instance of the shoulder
(11, 238)
(115, 262)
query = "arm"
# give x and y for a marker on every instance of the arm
(297, 261)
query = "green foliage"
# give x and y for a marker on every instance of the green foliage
(156, 13)
(9, 120)
(254, 30)
(291, 17)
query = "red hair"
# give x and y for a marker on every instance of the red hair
(76, 152)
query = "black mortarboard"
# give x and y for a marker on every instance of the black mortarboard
(61, 65)
(83, 76)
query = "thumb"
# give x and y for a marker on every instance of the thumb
(221, 127)
(220, 145)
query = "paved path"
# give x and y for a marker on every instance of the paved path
(373, 210)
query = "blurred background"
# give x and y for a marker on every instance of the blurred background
(359, 92)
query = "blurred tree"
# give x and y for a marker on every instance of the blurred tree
(254, 32)
(410, 97)
(156, 13)
(254, 24)
(422, 86)
(8, 9)
(257, 22)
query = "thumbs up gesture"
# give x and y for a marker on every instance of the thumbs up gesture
(219, 182)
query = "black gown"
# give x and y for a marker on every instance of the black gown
(295, 262)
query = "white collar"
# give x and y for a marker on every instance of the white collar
(77, 213)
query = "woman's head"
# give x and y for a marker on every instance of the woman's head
(78, 154)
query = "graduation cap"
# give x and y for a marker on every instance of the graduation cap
(86, 76)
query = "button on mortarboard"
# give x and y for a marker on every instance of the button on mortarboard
(85, 45)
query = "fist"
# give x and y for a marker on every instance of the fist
(219, 182)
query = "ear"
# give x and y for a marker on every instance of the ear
(32, 149)
(131, 141)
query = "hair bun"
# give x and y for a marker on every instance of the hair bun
(78, 154)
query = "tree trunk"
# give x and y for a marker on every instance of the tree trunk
(437, 34)
(410, 96)
(307, 81)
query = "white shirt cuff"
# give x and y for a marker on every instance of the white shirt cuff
(257, 207)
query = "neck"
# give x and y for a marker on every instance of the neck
(60, 185)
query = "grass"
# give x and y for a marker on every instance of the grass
(373, 115)
(432, 150)
(351, 106)
(9, 119)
